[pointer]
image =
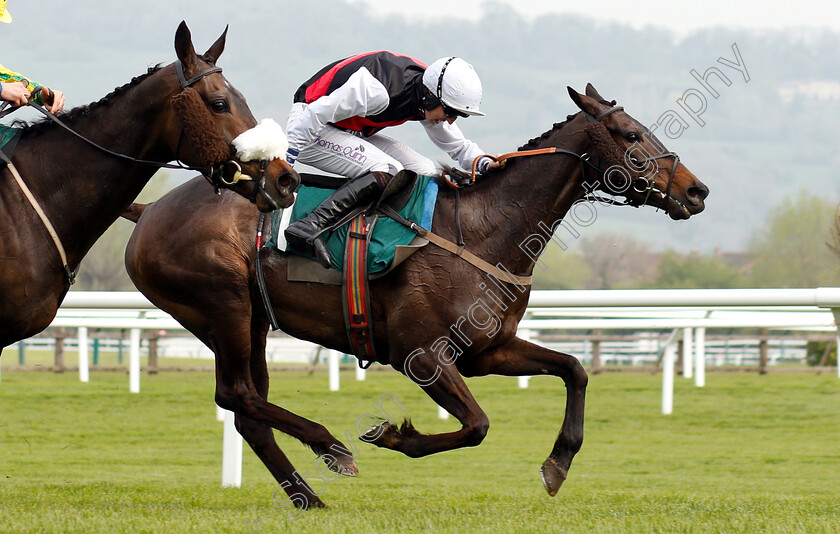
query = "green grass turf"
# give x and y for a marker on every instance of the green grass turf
(747, 453)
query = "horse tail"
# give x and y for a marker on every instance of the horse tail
(133, 212)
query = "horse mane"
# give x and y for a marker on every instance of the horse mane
(464, 177)
(44, 124)
(534, 143)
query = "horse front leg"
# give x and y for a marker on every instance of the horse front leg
(242, 387)
(260, 437)
(521, 358)
(446, 387)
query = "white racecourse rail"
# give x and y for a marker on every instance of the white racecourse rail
(683, 310)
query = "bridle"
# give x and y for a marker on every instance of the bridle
(651, 185)
(585, 161)
(459, 248)
(215, 174)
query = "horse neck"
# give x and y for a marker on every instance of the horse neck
(512, 220)
(82, 189)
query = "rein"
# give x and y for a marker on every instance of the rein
(584, 159)
(459, 249)
(185, 83)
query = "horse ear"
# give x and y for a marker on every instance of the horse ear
(585, 103)
(216, 50)
(593, 93)
(184, 47)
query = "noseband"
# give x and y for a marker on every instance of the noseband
(216, 173)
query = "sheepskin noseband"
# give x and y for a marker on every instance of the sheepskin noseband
(608, 151)
(200, 134)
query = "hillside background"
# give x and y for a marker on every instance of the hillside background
(765, 142)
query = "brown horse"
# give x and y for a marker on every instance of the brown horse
(437, 318)
(139, 127)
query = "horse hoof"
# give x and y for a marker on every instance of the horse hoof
(343, 465)
(553, 475)
(385, 435)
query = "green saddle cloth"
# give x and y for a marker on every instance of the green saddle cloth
(387, 233)
(7, 134)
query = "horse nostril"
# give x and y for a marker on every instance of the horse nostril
(697, 193)
(284, 180)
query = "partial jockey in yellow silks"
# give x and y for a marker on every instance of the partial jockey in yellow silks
(17, 89)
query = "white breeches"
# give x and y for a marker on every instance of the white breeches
(349, 154)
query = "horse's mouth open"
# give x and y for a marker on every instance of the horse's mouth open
(678, 211)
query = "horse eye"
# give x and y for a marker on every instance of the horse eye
(632, 137)
(220, 106)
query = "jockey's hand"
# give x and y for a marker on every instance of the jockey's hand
(495, 164)
(486, 163)
(16, 93)
(54, 100)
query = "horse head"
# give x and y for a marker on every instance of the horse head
(205, 116)
(632, 163)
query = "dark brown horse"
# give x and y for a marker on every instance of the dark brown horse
(437, 318)
(82, 189)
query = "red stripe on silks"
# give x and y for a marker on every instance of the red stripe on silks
(357, 124)
(322, 85)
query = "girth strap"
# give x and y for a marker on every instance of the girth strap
(461, 252)
(71, 275)
(355, 293)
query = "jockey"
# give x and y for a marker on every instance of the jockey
(17, 89)
(337, 115)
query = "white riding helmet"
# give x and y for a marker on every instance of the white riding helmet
(455, 83)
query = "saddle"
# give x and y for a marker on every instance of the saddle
(363, 246)
(412, 196)
(8, 141)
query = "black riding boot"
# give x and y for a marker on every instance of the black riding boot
(307, 232)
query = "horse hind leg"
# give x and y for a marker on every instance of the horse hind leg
(446, 387)
(521, 358)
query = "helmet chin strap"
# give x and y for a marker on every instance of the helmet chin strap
(440, 78)
(428, 101)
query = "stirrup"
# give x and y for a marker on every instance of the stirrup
(322, 255)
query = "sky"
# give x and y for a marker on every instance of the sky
(87, 56)
(681, 17)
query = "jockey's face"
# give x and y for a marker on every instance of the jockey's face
(437, 115)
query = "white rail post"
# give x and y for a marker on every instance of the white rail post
(525, 335)
(837, 354)
(84, 368)
(700, 357)
(442, 413)
(231, 453)
(836, 313)
(360, 374)
(688, 363)
(668, 379)
(332, 358)
(134, 361)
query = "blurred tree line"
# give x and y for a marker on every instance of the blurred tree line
(103, 269)
(798, 245)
